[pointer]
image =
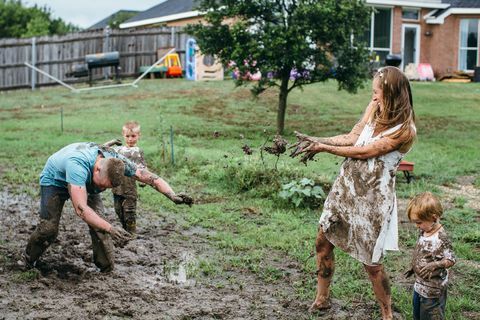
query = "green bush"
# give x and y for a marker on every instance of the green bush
(305, 193)
(249, 174)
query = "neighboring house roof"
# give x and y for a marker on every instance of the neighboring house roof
(432, 4)
(103, 23)
(463, 3)
(168, 10)
(455, 7)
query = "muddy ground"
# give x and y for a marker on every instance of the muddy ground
(150, 280)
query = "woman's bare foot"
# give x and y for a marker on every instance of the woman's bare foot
(320, 305)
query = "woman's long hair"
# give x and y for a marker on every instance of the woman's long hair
(398, 105)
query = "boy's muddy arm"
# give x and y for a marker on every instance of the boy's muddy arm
(111, 143)
(150, 178)
(429, 268)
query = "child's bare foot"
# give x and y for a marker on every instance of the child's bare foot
(320, 305)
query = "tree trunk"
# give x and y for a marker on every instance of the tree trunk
(282, 103)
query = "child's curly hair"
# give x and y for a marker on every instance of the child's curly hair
(425, 206)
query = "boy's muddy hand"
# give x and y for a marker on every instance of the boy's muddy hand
(119, 236)
(409, 273)
(183, 198)
(427, 271)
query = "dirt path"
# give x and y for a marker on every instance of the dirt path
(150, 280)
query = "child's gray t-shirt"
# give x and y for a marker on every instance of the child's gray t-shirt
(429, 249)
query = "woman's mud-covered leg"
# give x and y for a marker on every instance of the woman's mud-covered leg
(381, 288)
(326, 266)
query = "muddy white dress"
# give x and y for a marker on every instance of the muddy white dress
(360, 213)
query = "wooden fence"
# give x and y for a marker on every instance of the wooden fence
(57, 54)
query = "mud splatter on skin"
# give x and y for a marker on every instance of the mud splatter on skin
(386, 285)
(324, 271)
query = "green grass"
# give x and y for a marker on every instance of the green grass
(237, 194)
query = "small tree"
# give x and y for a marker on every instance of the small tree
(291, 42)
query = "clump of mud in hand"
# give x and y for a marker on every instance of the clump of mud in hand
(279, 146)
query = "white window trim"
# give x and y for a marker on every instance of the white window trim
(469, 48)
(417, 42)
(372, 31)
(412, 8)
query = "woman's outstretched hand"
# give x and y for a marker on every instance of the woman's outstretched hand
(307, 145)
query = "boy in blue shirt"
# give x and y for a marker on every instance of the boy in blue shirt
(80, 171)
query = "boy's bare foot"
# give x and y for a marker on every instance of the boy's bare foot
(320, 305)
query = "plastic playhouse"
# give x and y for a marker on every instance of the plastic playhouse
(201, 67)
(170, 67)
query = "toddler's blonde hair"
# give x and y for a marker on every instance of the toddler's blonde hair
(425, 206)
(133, 126)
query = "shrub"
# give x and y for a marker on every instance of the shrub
(304, 193)
(249, 174)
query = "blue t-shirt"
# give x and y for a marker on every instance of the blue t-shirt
(74, 163)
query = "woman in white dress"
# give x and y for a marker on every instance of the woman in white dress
(360, 213)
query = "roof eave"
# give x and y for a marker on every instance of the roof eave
(172, 17)
(407, 3)
(441, 18)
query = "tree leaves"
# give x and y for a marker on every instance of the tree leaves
(19, 21)
(314, 38)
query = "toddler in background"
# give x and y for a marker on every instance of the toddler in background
(432, 257)
(125, 196)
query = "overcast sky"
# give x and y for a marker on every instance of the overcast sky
(85, 13)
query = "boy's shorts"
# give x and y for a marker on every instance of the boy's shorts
(429, 308)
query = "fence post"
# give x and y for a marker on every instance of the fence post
(61, 119)
(106, 48)
(34, 61)
(172, 37)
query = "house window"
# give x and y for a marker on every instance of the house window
(468, 55)
(410, 14)
(378, 35)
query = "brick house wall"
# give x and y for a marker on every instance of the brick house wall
(439, 43)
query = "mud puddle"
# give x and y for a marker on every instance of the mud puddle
(153, 276)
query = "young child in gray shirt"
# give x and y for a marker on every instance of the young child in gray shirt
(432, 257)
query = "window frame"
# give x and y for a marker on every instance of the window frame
(372, 31)
(419, 12)
(460, 48)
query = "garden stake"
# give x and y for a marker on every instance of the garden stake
(163, 148)
(261, 151)
(171, 143)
